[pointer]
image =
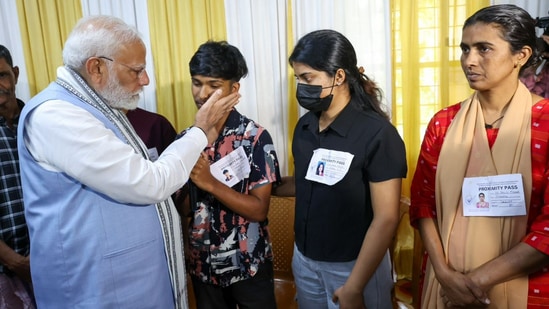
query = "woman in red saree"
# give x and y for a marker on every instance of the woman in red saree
(489, 260)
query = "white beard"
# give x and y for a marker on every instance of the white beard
(116, 97)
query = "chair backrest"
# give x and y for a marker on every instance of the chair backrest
(281, 227)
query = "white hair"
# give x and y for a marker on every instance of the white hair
(95, 36)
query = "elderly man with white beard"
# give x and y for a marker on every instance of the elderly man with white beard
(103, 231)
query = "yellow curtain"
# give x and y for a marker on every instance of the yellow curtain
(427, 73)
(177, 28)
(45, 25)
(293, 107)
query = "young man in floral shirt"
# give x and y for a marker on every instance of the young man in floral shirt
(230, 255)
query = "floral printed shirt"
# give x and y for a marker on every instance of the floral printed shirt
(225, 247)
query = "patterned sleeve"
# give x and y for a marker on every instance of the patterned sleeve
(265, 166)
(538, 214)
(539, 230)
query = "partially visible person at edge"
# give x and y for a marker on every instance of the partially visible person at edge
(230, 254)
(155, 130)
(15, 277)
(489, 260)
(536, 78)
(346, 265)
(103, 232)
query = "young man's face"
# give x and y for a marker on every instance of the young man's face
(204, 86)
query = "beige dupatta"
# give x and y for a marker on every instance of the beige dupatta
(469, 242)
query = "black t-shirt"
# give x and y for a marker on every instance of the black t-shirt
(331, 221)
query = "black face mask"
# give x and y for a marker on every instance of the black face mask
(308, 96)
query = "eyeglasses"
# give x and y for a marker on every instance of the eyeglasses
(138, 72)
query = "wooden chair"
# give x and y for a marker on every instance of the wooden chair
(281, 227)
(413, 257)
